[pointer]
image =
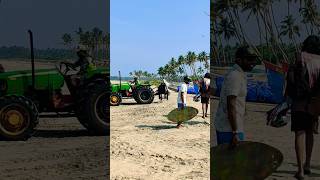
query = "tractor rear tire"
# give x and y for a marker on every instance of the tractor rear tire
(115, 99)
(18, 118)
(143, 95)
(93, 110)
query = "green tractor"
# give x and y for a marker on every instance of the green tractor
(27, 93)
(141, 93)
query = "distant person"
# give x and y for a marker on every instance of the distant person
(182, 95)
(302, 85)
(231, 109)
(205, 94)
(163, 90)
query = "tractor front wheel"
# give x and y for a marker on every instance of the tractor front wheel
(18, 118)
(115, 99)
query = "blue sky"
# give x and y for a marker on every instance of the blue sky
(145, 34)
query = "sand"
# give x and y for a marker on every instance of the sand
(280, 138)
(145, 145)
(60, 149)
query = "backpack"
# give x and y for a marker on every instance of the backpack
(203, 87)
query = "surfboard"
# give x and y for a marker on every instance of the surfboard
(185, 114)
(247, 161)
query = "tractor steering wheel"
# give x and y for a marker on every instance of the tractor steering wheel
(66, 69)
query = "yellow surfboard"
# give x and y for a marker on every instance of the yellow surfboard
(247, 161)
(182, 115)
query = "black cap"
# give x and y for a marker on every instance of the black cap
(186, 79)
(207, 75)
(245, 52)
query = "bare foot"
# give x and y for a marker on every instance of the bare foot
(306, 170)
(299, 176)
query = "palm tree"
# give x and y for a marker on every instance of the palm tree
(203, 59)
(182, 64)
(290, 29)
(106, 46)
(161, 72)
(311, 15)
(97, 37)
(79, 32)
(222, 7)
(191, 58)
(225, 28)
(67, 40)
(255, 7)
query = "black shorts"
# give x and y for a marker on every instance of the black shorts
(204, 100)
(301, 121)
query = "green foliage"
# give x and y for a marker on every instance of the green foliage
(191, 64)
(97, 42)
(277, 40)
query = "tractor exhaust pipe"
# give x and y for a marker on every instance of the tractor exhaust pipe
(32, 58)
(120, 80)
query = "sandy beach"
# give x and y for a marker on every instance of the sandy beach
(145, 145)
(280, 138)
(60, 149)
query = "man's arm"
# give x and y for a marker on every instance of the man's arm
(231, 109)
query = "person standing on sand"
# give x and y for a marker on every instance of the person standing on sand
(205, 94)
(182, 95)
(302, 85)
(231, 109)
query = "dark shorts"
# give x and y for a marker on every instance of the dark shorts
(301, 121)
(180, 105)
(204, 100)
(226, 137)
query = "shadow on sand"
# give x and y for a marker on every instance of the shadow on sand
(316, 167)
(61, 133)
(294, 172)
(130, 103)
(170, 125)
(157, 127)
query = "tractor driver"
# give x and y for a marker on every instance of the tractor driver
(133, 83)
(83, 62)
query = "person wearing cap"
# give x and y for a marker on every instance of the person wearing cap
(182, 95)
(134, 84)
(84, 60)
(229, 118)
(205, 94)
